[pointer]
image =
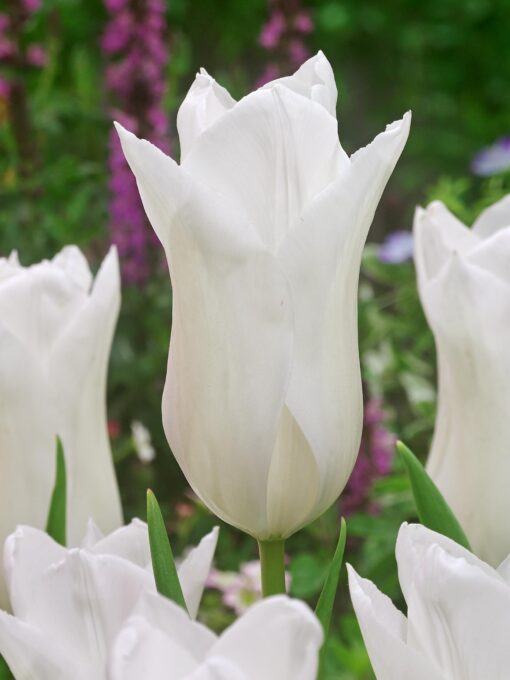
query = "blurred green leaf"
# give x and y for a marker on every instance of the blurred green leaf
(433, 510)
(5, 673)
(326, 601)
(57, 515)
(163, 563)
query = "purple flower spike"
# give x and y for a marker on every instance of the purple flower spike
(493, 159)
(396, 248)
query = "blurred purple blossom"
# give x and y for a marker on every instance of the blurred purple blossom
(134, 40)
(374, 460)
(397, 247)
(282, 36)
(31, 5)
(492, 159)
(37, 56)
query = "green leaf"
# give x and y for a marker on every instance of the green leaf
(165, 572)
(56, 523)
(324, 607)
(5, 673)
(433, 511)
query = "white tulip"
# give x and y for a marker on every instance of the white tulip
(277, 639)
(464, 284)
(70, 604)
(458, 613)
(56, 328)
(263, 224)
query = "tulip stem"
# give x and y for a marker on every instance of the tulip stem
(272, 567)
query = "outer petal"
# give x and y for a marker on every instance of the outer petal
(83, 602)
(231, 343)
(384, 631)
(27, 451)
(468, 309)
(459, 611)
(204, 104)
(277, 638)
(493, 218)
(80, 357)
(32, 654)
(314, 79)
(438, 233)
(493, 254)
(28, 553)
(321, 258)
(194, 570)
(143, 651)
(130, 542)
(269, 156)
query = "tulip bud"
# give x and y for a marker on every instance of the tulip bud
(56, 328)
(464, 285)
(263, 224)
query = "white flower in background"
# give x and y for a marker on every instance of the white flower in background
(142, 442)
(241, 589)
(277, 639)
(69, 605)
(458, 613)
(263, 224)
(56, 328)
(464, 285)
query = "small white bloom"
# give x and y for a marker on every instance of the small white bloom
(142, 442)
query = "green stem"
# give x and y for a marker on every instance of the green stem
(272, 567)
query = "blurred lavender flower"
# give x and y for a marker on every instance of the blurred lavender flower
(134, 39)
(142, 441)
(492, 159)
(397, 247)
(374, 460)
(282, 36)
(240, 590)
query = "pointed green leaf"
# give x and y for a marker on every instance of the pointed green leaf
(324, 608)
(56, 523)
(433, 511)
(165, 571)
(5, 673)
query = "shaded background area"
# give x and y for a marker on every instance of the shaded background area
(67, 67)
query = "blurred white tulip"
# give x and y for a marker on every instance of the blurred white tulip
(464, 284)
(458, 613)
(70, 604)
(263, 224)
(56, 328)
(276, 639)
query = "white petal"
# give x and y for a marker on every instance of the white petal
(194, 570)
(468, 309)
(277, 638)
(92, 536)
(493, 254)
(27, 451)
(130, 542)
(75, 266)
(493, 218)
(218, 669)
(83, 602)
(235, 343)
(28, 552)
(269, 156)
(143, 651)
(458, 611)
(80, 357)
(437, 234)
(172, 620)
(313, 79)
(31, 654)
(204, 104)
(384, 632)
(321, 259)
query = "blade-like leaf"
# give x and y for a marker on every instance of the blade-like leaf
(5, 673)
(433, 511)
(324, 607)
(165, 572)
(56, 523)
